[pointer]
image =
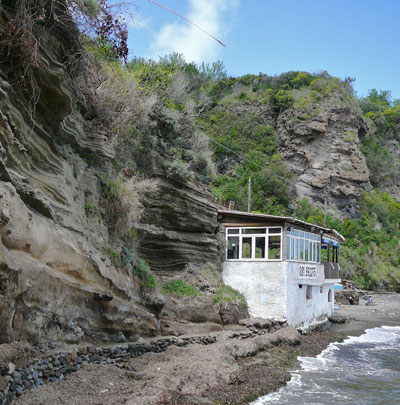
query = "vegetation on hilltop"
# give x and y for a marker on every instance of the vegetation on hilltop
(382, 142)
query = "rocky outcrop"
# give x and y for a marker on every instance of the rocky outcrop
(179, 226)
(324, 151)
(320, 140)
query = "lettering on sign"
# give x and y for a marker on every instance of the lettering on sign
(307, 271)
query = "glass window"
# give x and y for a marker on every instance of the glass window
(253, 243)
(288, 247)
(246, 248)
(254, 231)
(233, 247)
(274, 247)
(301, 257)
(296, 249)
(306, 250)
(292, 241)
(260, 248)
(318, 252)
(233, 231)
(274, 230)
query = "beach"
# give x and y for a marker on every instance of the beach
(241, 365)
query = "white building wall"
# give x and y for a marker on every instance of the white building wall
(262, 283)
(272, 290)
(301, 311)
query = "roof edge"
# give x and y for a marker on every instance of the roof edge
(293, 220)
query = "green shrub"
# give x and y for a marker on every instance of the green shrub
(180, 288)
(227, 294)
(115, 257)
(90, 208)
(145, 276)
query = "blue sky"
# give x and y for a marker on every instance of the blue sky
(356, 38)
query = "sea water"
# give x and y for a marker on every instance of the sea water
(360, 370)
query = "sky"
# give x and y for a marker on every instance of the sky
(348, 38)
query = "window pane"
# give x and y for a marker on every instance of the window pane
(287, 247)
(274, 247)
(318, 252)
(260, 248)
(301, 257)
(296, 249)
(246, 248)
(292, 249)
(306, 249)
(233, 231)
(311, 252)
(315, 252)
(296, 233)
(233, 247)
(274, 230)
(253, 231)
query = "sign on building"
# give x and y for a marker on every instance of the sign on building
(307, 271)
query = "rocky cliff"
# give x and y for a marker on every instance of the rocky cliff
(59, 274)
(318, 132)
(322, 146)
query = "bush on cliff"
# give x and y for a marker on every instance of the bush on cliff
(180, 288)
(228, 295)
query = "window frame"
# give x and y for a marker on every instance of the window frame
(253, 237)
(305, 239)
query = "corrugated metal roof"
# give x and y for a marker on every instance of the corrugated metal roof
(329, 231)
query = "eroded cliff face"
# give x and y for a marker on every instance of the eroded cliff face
(323, 148)
(320, 141)
(179, 226)
(57, 279)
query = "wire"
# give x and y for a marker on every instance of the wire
(190, 22)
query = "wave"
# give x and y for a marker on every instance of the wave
(361, 370)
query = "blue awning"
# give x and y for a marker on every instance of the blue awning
(330, 242)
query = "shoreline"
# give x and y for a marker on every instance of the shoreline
(237, 369)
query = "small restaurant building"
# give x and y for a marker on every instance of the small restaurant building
(286, 268)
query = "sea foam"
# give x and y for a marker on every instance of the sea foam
(360, 370)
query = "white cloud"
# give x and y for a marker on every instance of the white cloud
(212, 16)
(135, 20)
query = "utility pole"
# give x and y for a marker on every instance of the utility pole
(325, 202)
(249, 196)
